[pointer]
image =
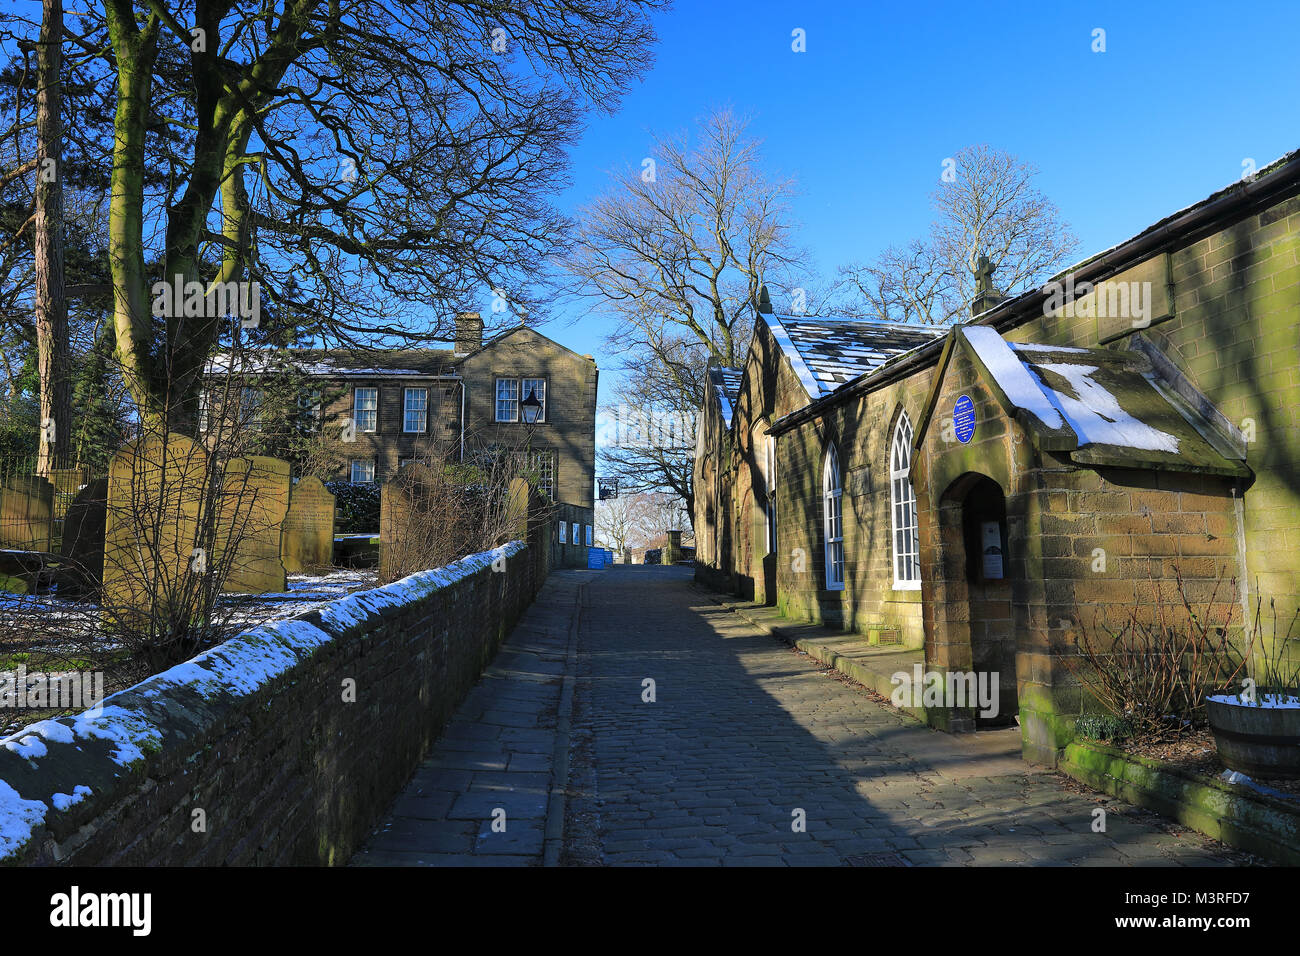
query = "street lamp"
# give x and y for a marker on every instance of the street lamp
(531, 407)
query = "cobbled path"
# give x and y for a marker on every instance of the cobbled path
(749, 754)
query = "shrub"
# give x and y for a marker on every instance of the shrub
(356, 507)
(1153, 672)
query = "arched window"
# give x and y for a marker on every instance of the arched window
(832, 493)
(764, 446)
(907, 563)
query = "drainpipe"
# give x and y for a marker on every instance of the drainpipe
(463, 388)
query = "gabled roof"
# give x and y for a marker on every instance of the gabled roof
(827, 351)
(1273, 184)
(1102, 406)
(726, 385)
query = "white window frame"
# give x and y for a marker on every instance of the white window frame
(371, 412)
(353, 471)
(588, 527)
(833, 519)
(543, 462)
(564, 532)
(421, 409)
(769, 451)
(904, 539)
(576, 539)
(511, 399)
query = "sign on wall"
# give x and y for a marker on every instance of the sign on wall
(991, 542)
(963, 419)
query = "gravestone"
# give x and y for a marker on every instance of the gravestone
(156, 489)
(397, 514)
(517, 509)
(81, 571)
(308, 540)
(26, 513)
(254, 503)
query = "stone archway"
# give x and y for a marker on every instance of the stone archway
(976, 625)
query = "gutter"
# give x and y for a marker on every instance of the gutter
(1233, 202)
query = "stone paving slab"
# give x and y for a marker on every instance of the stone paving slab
(494, 755)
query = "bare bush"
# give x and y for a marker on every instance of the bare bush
(1155, 669)
(439, 509)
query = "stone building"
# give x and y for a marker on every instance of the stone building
(976, 495)
(398, 406)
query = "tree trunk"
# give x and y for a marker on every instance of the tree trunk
(51, 305)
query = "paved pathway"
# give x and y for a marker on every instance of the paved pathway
(497, 756)
(744, 739)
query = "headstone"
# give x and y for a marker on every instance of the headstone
(517, 508)
(397, 501)
(26, 513)
(672, 551)
(156, 490)
(254, 503)
(81, 570)
(308, 540)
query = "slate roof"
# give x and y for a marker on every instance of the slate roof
(1102, 406)
(826, 351)
(726, 385)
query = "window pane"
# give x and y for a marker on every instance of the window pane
(415, 409)
(366, 409)
(507, 399)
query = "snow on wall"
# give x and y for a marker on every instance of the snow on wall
(237, 667)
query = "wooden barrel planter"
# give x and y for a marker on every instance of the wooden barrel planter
(1259, 741)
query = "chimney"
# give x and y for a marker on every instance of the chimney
(469, 333)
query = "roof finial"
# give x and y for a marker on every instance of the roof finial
(986, 294)
(764, 300)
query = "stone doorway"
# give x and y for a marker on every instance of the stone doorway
(978, 584)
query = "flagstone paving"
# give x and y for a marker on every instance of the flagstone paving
(748, 754)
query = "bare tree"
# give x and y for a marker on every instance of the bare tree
(680, 248)
(649, 438)
(51, 306)
(990, 208)
(359, 161)
(678, 251)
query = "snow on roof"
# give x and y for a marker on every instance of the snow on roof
(726, 385)
(1096, 416)
(338, 362)
(1059, 389)
(827, 351)
(1022, 389)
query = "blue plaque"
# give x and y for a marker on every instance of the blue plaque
(963, 419)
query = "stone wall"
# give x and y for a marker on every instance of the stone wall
(280, 746)
(1226, 310)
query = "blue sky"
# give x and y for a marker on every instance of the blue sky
(1184, 93)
